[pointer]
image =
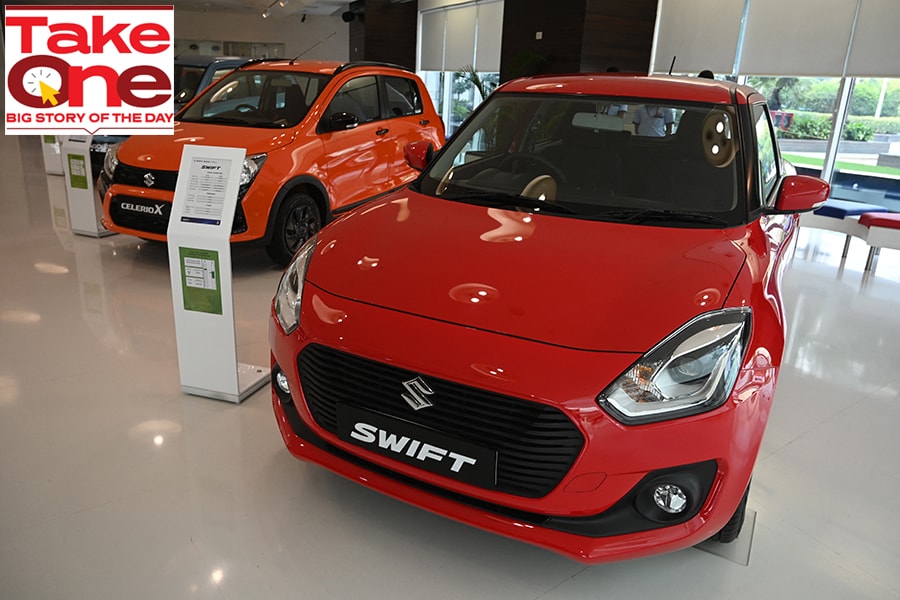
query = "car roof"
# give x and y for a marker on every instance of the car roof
(325, 67)
(202, 60)
(691, 89)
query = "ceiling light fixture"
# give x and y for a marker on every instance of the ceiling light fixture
(268, 12)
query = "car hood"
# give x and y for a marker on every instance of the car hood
(164, 152)
(569, 282)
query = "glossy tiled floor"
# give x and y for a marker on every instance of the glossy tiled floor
(115, 485)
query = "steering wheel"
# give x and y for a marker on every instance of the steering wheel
(249, 107)
(513, 160)
(445, 182)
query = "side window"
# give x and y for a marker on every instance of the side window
(767, 165)
(403, 96)
(187, 82)
(359, 97)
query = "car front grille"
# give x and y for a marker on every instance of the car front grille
(536, 444)
(137, 177)
(162, 180)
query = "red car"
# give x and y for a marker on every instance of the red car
(563, 332)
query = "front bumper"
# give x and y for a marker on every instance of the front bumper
(144, 212)
(598, 511)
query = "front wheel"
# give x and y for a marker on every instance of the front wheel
(298, 220)
(732, 528)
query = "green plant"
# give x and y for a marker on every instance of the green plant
(858, 131)
(809, 126)
(887, 125)
(865, 97)
(484, 84)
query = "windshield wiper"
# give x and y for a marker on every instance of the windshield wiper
(504, 200)
(655, 214)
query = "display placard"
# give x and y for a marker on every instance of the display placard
(78, 175)
(200, 280)
(204, 200)
(199, 239)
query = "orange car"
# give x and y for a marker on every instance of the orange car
(321, 138)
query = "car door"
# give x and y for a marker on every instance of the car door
(407, 122)
(357, 159)
(779, 229)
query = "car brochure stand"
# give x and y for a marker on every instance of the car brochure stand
(200, 268)
(52, 159)
(84, 204)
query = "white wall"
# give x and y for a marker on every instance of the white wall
(296, 36)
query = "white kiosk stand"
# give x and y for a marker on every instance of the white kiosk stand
(50, 147)
(84, 204)
(200, 268)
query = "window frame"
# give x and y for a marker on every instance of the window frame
(766, 190)
(386, 111)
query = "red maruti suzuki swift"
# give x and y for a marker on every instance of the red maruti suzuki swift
(568, 329)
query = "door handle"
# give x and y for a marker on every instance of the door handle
(424, 122)
(382, 131)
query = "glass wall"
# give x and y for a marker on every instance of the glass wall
(867, 163)
(867, 168)
(459, 54)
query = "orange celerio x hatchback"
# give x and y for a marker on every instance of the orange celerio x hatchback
(320, 138)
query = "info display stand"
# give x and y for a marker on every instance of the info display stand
(84, 204)
(200, 268)
(50, 147)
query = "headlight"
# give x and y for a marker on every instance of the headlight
(691, 371)
(252, 165)
(290, 289)
(111, 161)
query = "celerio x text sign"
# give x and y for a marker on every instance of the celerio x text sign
(89, 69)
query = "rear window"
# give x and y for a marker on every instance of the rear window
(403, 96)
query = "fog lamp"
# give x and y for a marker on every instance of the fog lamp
(282, 381)
(670, 498)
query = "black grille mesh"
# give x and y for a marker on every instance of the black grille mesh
(163, 180)
(134, 176)
(536, 444)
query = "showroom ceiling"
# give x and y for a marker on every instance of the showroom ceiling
(310, 7)
(291, 7)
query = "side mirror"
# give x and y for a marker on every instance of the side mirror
(342, 121)
(418, 154)
(800, 193)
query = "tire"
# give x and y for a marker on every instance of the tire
(732, 528)
(297, 220)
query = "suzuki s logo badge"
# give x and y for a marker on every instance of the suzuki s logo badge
(149, 179)
(418, 390)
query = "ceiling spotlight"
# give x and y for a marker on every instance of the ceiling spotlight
(282, 3)
(265, 14)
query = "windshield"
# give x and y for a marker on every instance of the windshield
(275, 99)
(623, 159)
